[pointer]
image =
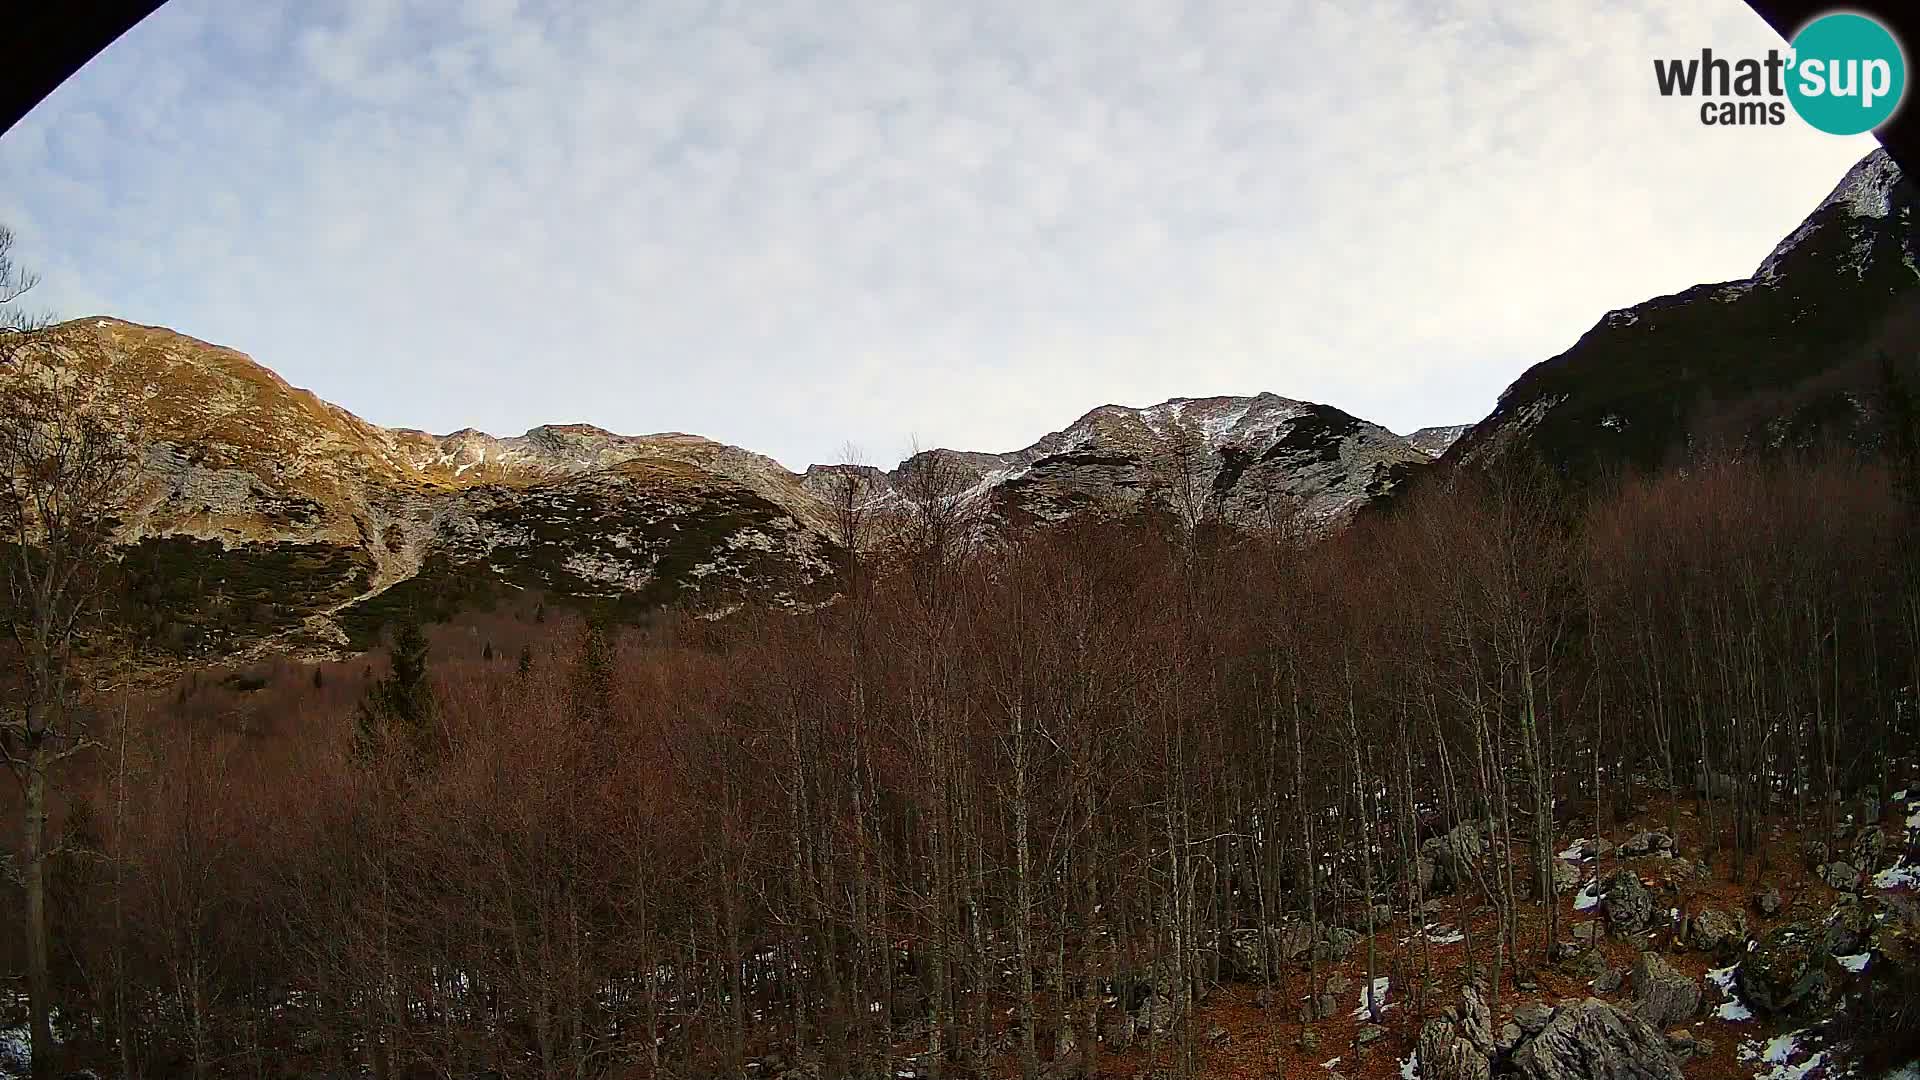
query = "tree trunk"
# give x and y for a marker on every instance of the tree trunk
(39, 977)
(1023, 898)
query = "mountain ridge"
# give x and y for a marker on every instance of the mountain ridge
(266, 515)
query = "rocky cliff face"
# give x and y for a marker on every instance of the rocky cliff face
(266, 516)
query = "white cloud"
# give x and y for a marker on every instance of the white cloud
(793, 223)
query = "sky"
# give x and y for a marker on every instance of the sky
(803, 225)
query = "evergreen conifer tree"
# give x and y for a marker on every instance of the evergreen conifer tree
(593, 674)
(401, 704)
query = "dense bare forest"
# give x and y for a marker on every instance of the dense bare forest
(1004, 808)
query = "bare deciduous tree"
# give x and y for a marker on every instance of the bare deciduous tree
(853, 499)
(15, 282)
(941, 517)
(1183, 468)
(66, 467)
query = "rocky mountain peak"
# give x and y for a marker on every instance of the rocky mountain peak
(1252, 452)
(1866, 191)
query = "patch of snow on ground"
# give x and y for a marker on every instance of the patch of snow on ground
(1587, 898)
(15, 1058)
(1445, 935)
(1572, 854)
(1330, 1063)
(1778, 1054)
(1379, 996)
(1410, 1068)
(1732, 1008)
(1781, 1047)
(1900, 877)
(1856, 963)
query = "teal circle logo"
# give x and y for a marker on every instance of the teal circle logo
(1848, 74)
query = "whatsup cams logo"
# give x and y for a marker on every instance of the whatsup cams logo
(1844, 73)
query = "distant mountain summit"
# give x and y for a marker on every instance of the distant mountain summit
(1434, 441)
(1243, 453)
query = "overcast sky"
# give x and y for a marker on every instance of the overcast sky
(791, 224)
